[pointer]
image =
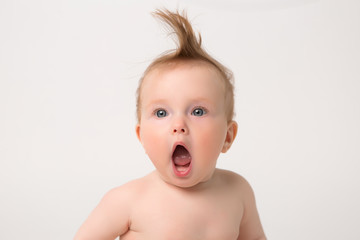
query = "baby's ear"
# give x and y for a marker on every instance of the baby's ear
(230, 136)
(137, 130)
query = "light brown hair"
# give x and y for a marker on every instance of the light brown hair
(188, 48)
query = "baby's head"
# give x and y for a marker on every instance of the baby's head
(189, 51)
(185, 108)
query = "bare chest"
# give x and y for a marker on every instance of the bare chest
(181, 218)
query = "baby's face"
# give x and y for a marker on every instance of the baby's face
(183, 125)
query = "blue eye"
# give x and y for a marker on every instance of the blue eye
(198, 112)
(161, 113)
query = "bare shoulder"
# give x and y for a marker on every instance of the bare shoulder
(112, 216)
(127, 191)
(234, 180)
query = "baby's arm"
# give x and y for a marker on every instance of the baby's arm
(109, 219)
(250, 227)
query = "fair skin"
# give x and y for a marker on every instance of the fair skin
(183, 129)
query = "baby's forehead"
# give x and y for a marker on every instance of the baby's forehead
(179, 66)
(158, 78)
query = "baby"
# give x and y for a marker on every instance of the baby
(185, 105)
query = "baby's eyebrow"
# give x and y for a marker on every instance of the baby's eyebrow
(196, 99)
(156, 102)
(202, 101)
(190, 102)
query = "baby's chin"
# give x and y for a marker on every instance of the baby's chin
(182, 184)
(187, 183)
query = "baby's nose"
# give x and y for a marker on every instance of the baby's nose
(179, 130)
(179, 126)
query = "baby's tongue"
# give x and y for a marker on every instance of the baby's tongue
(181, 156)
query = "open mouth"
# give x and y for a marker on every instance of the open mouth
(181, 160)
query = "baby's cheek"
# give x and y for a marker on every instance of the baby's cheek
(153, 142)
(213, 136)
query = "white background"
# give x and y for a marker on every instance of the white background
(68, 76)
